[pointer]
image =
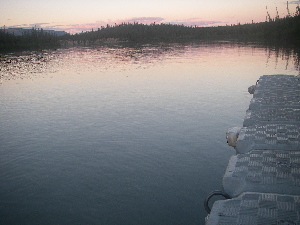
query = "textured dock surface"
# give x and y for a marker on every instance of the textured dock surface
(274, 115)
(265, 171)
(269, 137)
(263, 179)
(257, 208)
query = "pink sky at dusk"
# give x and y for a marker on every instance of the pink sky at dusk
(76, 15)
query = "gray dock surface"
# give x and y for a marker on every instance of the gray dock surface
(263, 178)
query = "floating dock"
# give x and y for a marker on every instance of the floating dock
(262, 181)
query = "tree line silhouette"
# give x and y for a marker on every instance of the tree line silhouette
(34, 39)
(272, 31)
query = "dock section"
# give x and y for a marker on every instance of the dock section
(263, 179)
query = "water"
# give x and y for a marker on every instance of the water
(122, 135)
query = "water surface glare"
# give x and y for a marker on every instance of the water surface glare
(122, 135)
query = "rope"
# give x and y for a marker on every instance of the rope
(222, 193)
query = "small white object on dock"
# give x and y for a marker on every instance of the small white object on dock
(232, 135)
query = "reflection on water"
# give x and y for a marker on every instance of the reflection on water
(29, 64)
(291, 57)
(26, 64)
(122, 135)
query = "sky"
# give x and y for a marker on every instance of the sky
(75, 16)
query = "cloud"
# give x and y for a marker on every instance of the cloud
(38, 24)
(29, 26)
(196, 22)
(20, 26)
(144, 20)
(294, 2)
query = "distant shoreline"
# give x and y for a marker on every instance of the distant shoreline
(283, 31)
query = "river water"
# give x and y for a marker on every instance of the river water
(122, 134)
